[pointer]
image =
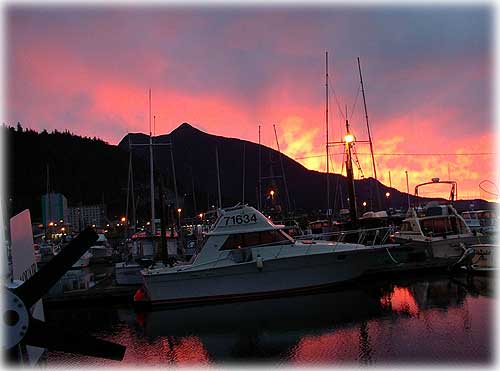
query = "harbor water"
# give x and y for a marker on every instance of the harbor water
(434, 319)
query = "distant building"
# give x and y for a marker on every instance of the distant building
(80, 217)
(54, 207)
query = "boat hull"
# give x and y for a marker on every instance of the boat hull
(450, 249)
(243, 280)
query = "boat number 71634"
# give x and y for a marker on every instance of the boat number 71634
(240, 219)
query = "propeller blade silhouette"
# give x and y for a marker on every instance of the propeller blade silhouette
(37, 285)
(43, 335)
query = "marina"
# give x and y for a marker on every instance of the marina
(289, 200)
(368, 324)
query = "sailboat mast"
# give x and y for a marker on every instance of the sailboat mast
(366, 118)
(151, 178)
(282, 169)
(327, 148)
(259, 201)
(243, 182)
(218, 177)
(132, 194)
(128, 178)
(47, 199)
(350, 176)
(195, 208)
(407, 188)
(173, 173)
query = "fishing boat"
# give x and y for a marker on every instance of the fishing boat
(143, 253)
(245, 255)
(438, 227)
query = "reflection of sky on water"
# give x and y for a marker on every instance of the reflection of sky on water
(440, 320)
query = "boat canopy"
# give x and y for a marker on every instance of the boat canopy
(241, 219)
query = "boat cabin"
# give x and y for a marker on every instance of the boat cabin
(238, 228)
(433, 220)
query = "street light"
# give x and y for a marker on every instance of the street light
(123, 219)
(387, 194)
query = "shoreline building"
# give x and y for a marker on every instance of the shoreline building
(54, 207)
(79, 217)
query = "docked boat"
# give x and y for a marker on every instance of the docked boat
(101, 251)
(245, 255)
(143, 250)
(482, 221)
(128, 273)
(484, 258)
(438, 227)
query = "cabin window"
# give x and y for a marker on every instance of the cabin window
(436, 226)
(242, 240)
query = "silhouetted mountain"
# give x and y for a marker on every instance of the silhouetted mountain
(90, 171)
(195, 165)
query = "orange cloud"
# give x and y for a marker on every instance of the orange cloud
(66, 91)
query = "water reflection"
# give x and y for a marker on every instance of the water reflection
(438, 319)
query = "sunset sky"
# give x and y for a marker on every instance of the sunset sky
(428, 74)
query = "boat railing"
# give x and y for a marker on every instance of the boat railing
(367, 237)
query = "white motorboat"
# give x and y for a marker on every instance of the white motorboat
(438, 227)
(245, 255)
